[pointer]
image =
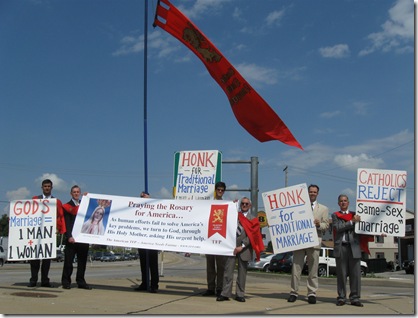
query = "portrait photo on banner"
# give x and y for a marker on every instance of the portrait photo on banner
(96, 217)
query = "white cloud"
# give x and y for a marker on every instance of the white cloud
(19, 194)
(58, 184)
(360, 108)
(275, 17)
(202, 7)
(336, 51)
(165, 193)
(349, 192)
(254, 73)
(367, 154)
(397, 32)
(164, 45)
(333, 114)
(353, 162)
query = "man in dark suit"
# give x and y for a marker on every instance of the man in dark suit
(215, 264)
(35, 264)
(73, 248)
(148, 260)
(243, 253)
(347, 252)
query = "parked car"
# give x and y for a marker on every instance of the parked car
(409, 267)
(327, 260)
(108, 257)
(97, 256)
(262, 264)
(119, 257)
(281, 262)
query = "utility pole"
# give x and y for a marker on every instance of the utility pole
(285, 177)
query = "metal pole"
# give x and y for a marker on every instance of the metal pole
(145, 123)
(285, 177)
(254, 185)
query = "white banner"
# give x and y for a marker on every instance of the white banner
(193, 226)
(32, 230)
(381, 202)
(290, 219)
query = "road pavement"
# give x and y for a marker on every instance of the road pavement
(266, 293)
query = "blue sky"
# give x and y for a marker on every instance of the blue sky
(340, 74)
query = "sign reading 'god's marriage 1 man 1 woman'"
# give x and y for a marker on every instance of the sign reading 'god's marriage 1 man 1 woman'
(381, 202)
(195, 174)
(193, 226)
(32, 230)
(290, 219)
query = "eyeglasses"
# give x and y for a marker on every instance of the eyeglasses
(220, 189)
(245, 203)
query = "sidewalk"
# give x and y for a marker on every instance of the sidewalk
(182, 296)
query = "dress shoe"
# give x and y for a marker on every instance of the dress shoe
(218, 292)
(340, 302)
(209, 293)
(140, 288)
(32, 285)
(292, 299)
(66, 286)
(221, 298)
(153, 290)
(357, 303)
(312, 299)
(85, 287)
(240, 299)
(47, 285)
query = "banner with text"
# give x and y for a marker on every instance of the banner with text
(206, 227)
(290, 219)
(195, 174)
(381, 202)
(32, 230)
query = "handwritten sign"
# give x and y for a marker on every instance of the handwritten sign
(196, 173)
(290, 219)
(194, 226)
(32, 228)
(381, 202)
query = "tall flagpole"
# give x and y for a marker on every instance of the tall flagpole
(145, 125)
(145, 95)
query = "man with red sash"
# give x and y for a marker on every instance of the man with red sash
(35, 264)
(348, 246)
(73, 248)
(248, 239)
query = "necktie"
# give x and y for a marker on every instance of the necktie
(239, 229)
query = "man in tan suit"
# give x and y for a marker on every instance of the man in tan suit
(243, 253)
(321, 220)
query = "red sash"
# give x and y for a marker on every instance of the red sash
(364, 239)
(252, 229)
(70, 209)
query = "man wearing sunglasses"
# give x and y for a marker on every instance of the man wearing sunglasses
(215, 264)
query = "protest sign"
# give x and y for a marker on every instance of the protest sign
(290, 219)
(32, 228)
(381, 202)
(195, 174)
(192, 226)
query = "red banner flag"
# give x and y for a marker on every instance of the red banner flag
(218, 219)
(250, 109)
